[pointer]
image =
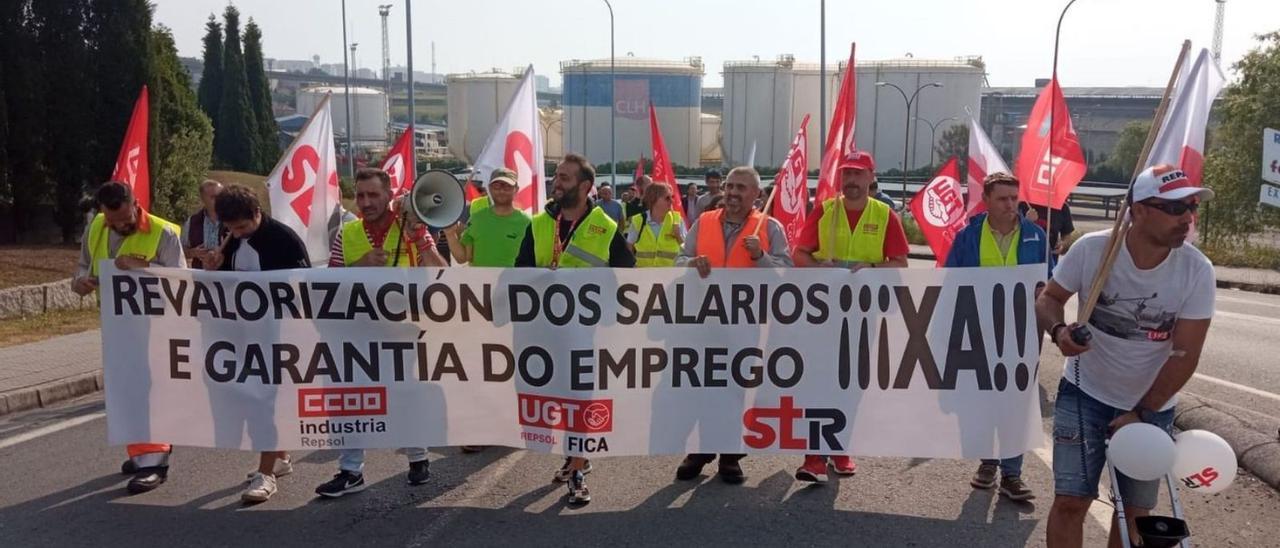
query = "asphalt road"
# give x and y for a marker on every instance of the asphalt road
(62, 488)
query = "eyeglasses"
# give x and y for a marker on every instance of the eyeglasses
(1175, 209)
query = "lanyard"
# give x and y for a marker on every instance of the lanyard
(558, 246)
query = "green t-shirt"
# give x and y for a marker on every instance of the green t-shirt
(495, 240)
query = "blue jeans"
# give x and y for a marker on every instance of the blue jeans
(352, 460)
(1009, 468)
(1068, 446)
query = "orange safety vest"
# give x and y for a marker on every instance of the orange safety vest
(711, 240)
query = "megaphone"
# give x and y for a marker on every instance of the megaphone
(436, 199)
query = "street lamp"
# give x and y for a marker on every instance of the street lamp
(906, 130)
(933, 133)
(346, 76)
(613, 106)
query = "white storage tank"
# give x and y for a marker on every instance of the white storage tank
(475, 103)
(589, 100)
(369, 114)
(552, 133)
(764, 103)
(711, 153)
(882, 110)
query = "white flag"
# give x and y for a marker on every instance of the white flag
(984, 159)
(304, 186)
(1181, 138)
(516, 144)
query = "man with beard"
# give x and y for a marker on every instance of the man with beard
(135, 239)
(574, 233)
(1147, 338)
(851, 231)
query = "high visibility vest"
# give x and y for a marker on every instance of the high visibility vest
(863, 244)
(479, 204)
(711, 242)
(588, 247)
(989, 250)
(660, 250)
(356, 244)
(141, 243)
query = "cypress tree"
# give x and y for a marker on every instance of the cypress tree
(23, 89)
(59, 25)
(210, 92)
(237, 134)
(184, 141)
(268, 148)
(120, 45)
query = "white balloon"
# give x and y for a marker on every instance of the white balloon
(1204, 462)
(1141, 451)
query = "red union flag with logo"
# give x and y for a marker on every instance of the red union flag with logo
(400, 164)
(939, 209)
(303, 187)
(132, 165)
(516, 144)
(840, 134)
(1049, 166)
(663, 172)
(1180, 141)
(792, 185)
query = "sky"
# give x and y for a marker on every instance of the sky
(1104, 42)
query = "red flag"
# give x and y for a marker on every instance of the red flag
(131, 165)
(939, 209)
(401, 163)
(840, 134)
(1180, 141)
(662, 170)
(792, 185)
(471, 190)
(1042, 153)
(639, 170)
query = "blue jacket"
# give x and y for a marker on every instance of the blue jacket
(965, 250)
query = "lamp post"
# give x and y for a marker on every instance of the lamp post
(346, 75)
(906, 129)
(933, 133)
(1053, 107)
(613, 106)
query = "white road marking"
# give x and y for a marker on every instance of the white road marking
(1240, 387)
(50, 429)
(1247, 317)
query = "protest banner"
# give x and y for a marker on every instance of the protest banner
(884, 362)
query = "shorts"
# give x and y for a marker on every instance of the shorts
(1068, 477)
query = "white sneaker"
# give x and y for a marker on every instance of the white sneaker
(282, 468)
(260, 488)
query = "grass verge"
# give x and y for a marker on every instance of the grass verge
(17, 331)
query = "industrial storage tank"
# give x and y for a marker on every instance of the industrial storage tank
(711, 154)
(882, 110)
(475, 103)
(552, 121)
(764, 103)
(589, 99)
(369, 114)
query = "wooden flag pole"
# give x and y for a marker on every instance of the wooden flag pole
(1121, 227)
(768, 203)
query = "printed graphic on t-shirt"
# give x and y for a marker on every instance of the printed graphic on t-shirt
(1135, 318)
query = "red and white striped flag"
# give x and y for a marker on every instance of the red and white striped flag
(1180, 141)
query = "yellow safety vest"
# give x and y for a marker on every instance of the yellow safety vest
(479, 204)
(654, 251)
(989, 250)
(863, 244)
(142, 244)
(588, 247)
(356, 244)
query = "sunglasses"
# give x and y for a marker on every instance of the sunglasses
(1175, 209)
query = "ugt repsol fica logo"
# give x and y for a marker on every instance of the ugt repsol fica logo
(586, 417)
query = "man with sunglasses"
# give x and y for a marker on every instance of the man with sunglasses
(1148, 330)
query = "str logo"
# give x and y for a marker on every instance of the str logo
(824, 424)
(1204, 478)
(582, 416)
(342, 402)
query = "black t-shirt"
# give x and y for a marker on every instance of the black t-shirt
(1062, 225)
(620, 255)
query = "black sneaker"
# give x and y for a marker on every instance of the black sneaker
(342, 483)
(147, 479)
(565, 471)
(731, 471)
(578, 492)
(419, 472)
(691, 467)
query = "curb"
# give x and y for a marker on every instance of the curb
(1256, 451)
(49, 393)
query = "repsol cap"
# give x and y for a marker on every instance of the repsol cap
(1167, 183)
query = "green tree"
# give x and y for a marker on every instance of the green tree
(236, 134)
(184, 143)
(58, 25)
(27, 188)
(210, 92)
(268, 147)
(1232, 166)
(120, 45)
(1124, 156)
(955, 142)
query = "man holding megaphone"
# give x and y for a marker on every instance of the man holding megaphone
(1135, 351)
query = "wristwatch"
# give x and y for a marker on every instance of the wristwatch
(1053, 331)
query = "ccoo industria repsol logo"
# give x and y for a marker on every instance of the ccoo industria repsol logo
(326, 414)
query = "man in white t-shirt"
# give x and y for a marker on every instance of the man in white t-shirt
(1147, 333)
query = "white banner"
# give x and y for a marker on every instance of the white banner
(913, 363)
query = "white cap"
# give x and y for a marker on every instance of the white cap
(1167, 183)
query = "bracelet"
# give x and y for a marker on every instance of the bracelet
(1053, 331)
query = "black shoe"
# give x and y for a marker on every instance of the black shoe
(578, 492)
(419, 472)
(691, 466)
(342, 483)
(147, 479)
(731, 471)
(128, 468)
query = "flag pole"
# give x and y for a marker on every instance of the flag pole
(1122, 224)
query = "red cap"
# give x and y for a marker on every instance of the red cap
(857, 159)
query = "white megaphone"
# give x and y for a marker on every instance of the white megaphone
(436, 199)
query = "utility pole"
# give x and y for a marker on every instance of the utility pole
(346, 75)
(384, 10)
(1217, 30)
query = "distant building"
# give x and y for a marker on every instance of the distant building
(542, 83)
(291, 65)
